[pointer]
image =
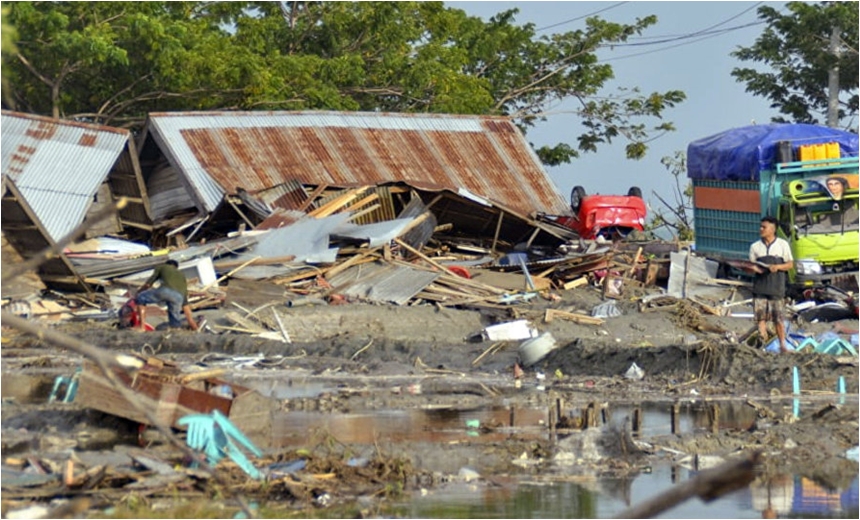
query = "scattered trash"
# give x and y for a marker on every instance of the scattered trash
(634, 372)
(533, 350)
(607, 309)
(473, 423)
(282, 469)
(357, 462)
(468, 474)
(515, 330)
(853, 453)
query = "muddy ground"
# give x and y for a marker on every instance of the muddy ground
(373, 354)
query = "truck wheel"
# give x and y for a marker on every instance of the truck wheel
(634, 192)
(576, 196)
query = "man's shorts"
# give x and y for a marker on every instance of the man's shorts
(769, 309)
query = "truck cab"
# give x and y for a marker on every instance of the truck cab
(819, 217)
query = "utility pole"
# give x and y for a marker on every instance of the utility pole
(833, 81)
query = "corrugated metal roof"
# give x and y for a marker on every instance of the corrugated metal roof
(219, 151)
(58, 165)
(383, 283)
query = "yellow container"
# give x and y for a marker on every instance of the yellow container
(806, 152)
(817, 152)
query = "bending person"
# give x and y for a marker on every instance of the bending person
(172, 291)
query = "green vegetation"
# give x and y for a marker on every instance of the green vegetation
(797, 49)
(113, 62)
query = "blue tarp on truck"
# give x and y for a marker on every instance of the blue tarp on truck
(741, 154)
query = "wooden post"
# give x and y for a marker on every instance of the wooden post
(498, 228)
(636, 428)
(676, 418)
(715, 419)
(512, 421)
(559, 405)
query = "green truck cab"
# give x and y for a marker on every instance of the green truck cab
(744, 174)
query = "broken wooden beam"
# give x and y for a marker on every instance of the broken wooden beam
(572, 316)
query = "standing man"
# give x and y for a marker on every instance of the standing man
(769, 284)
(172, 291)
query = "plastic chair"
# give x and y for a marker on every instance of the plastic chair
(214, 435)
(71, 389)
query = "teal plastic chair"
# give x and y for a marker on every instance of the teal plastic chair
(216, 437)
(836, 346)
(809, 343)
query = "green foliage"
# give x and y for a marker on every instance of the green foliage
(795, 49)
(113, 62)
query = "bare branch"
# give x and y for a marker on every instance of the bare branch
(32, 69)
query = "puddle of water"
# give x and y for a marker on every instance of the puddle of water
(288, 388)
(784, 496)
(448, 425)
(291, 429)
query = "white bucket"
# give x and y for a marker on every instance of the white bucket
(533, 350)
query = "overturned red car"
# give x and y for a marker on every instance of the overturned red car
(609, 216)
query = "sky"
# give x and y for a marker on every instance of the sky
(701, 67)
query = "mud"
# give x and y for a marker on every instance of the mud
(368, 357)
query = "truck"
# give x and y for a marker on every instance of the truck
(806, 176)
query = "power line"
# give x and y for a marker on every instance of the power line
(701, 32)
(713, 34)
(613, 6)
(684, 36)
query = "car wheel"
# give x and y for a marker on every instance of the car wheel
(634, 192)
(576, 196)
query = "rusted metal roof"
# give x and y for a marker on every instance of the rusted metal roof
(221, 151)
(58, 165)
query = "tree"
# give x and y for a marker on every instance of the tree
(679, 220)
(796, 48)
(112, 62)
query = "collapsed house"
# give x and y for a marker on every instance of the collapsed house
(476, 173)
(56, 175)
(206, 175)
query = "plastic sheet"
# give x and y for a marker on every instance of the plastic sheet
(741, 154)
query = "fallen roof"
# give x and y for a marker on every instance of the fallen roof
(59, 165)
(219, 152)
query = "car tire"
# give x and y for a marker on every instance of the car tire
(576, 196)
(634, 192)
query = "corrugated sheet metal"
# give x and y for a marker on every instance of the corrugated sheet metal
(383, 283)
(219, 151)
(58, 165)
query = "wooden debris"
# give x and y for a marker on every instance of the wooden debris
(572, 316)
(578, 282)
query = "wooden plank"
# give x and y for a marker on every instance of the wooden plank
(635, 262)
(314, 194)
(357, 259)
(337, 203)
(510, 281)
(579, 282)
(572, 316)
(498, 228)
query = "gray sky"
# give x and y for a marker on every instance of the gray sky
(699, 66)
